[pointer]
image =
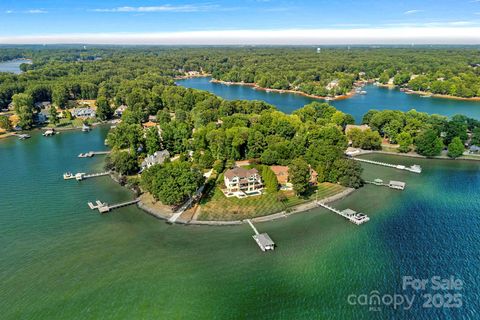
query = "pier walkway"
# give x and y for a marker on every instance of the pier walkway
(263, 240)
(104, 207)
(82, 176)
(349, 214)
(415, 168)
(92, 153)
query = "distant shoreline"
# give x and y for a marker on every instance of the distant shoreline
(257, 87)
(430, 94)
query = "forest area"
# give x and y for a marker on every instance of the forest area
(205, 131)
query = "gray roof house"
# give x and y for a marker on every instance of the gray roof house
(120, 110)
(41, 117)
(158, 157)
(83, 112)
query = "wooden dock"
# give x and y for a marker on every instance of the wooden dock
(415, 168)
(263, 239)
(95, 206)
(104, 207)
(83, 176)
(349, 214)
(92, 153)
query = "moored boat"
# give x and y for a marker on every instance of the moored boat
(24, 136)
(49, 132)
(86, 128)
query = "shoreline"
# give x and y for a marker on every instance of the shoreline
(301, 208)
(16, 133)
(203, 75)
(416, 155)
(429, 94)
(301, 93)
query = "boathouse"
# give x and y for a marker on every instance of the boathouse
(396, 185)
(264, 241)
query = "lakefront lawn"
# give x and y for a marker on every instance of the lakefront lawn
(217, 207)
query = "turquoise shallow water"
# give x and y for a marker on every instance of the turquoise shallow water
(60, 260)
(376, 98)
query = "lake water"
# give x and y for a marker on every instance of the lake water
(60, 260)
(376, 98)
(13, 66)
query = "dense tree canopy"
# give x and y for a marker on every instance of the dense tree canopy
(173, 182)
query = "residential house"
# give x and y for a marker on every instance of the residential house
(41, 117)
(332, 84)
(83, 113)
(149, 124)
(158, 157)
(43, 105)
(362, 127)
(242, 180)
(120, 110)
(281, 172)
(474, 149)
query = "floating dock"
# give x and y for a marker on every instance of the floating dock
(82, 175)
(398, 185)
(263, 240)
(97, 205)
(349, 214)
(92, 153)
(104, 207)
(415, 168)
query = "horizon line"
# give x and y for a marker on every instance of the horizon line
(354, 36)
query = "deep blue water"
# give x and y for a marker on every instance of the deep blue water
(376, 98)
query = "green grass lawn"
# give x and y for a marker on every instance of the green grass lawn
(75, 123)
(219, 207)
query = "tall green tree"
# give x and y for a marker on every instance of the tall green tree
(24, 109)
(5, 123)
(456, 148)
(53, 115)
(104, 111)
(173, 182)
(299, 175)
(152, 140)
(404, 140)
(60, 95)
(428, 143)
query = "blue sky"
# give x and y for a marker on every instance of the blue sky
(152, 20)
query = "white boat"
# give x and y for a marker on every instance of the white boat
(363, 92)
(86, 128)
(49, 132)
(416, 168)
(23, 136)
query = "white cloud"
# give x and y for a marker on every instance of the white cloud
(36, 11)
(412, 11)
(31, 11)
(389, 35)
(164, 8)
